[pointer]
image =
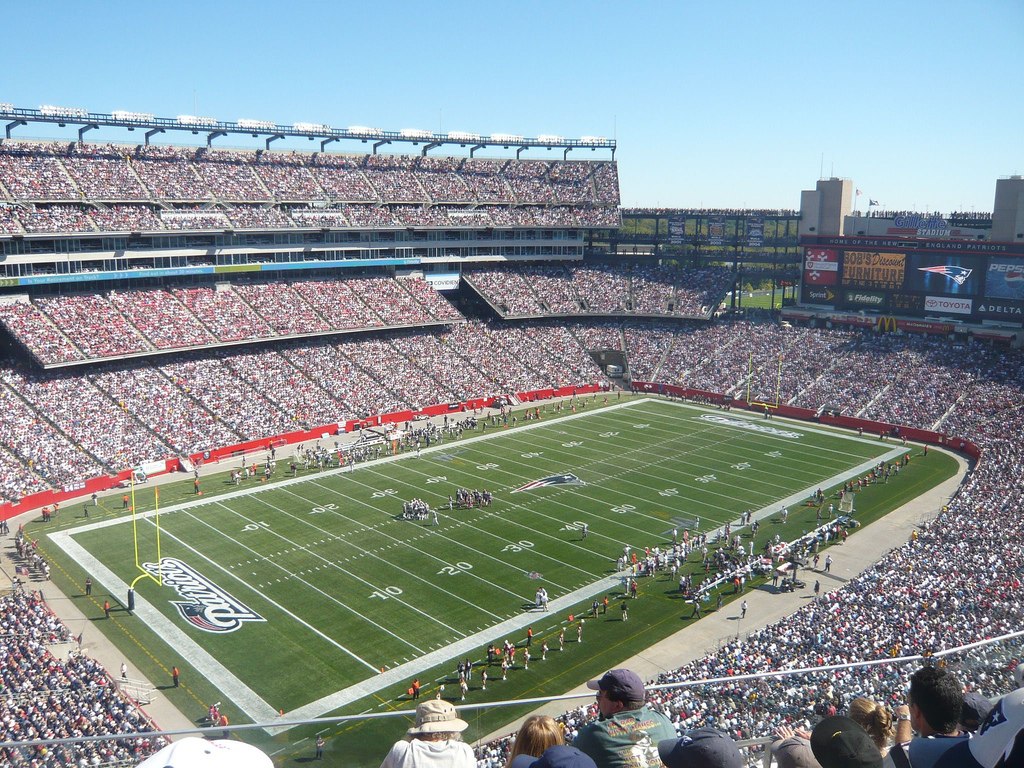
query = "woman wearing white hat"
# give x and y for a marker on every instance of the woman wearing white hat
(434, 742)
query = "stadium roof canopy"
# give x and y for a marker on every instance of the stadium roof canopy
(214, 129)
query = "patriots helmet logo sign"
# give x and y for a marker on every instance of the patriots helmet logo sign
(566, 479)
(958, 275)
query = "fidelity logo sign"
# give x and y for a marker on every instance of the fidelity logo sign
(947, 304)
(865, 298)
(206, 606)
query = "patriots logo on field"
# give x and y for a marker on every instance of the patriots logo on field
(195, 614)
(544, 482)
(958, 275)
(206, 606)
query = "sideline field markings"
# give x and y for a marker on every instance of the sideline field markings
(496, 434)
(292, 574)
(405, 672)
(198, 657)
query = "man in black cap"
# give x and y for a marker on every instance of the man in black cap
(839, 742)
(627, 732)
(700, 748)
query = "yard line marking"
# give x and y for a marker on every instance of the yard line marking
(287, 482)
(401, 674)
(484, 513)
(274, 603)
(576, 492)
(427, 554)
(356, 577)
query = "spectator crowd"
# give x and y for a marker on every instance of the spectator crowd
(62, 427)
(62, 188)
(87, 326)
(626, 288)
(48, 698)
(966, 563)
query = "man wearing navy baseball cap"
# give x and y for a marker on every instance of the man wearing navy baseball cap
(627, 731)
(700, 748)
(999, 743)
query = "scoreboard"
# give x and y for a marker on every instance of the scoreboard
(965, 280)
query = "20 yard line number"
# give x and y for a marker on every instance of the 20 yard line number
(455, 569)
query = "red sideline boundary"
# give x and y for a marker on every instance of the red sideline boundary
(93, 485)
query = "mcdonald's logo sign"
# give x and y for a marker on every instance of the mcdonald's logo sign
(886, 324)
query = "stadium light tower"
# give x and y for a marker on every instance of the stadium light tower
(13, 125)
(82, 131)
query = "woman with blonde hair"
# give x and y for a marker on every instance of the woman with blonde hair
(535, 736)
(876, 720)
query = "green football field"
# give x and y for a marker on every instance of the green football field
(311, 595)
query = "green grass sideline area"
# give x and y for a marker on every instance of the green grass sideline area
(328, 602)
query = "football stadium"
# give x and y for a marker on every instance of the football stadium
(295, 442)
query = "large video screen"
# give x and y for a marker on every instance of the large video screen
(915, 283)
(944, 275)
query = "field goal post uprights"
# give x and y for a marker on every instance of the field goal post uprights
(778, 385)
(142, 572)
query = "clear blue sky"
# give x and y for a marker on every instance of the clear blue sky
(726, 104)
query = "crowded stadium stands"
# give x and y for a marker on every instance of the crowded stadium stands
(47, 698)
(965, 563)
(595, 289)
(415, 349)
(57, 188)
(313, 383)
(89, 326)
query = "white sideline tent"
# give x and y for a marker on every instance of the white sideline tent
(193, 752)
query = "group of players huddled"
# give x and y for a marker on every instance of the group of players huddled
(464, 498)
(416, 509)
(467, 499)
